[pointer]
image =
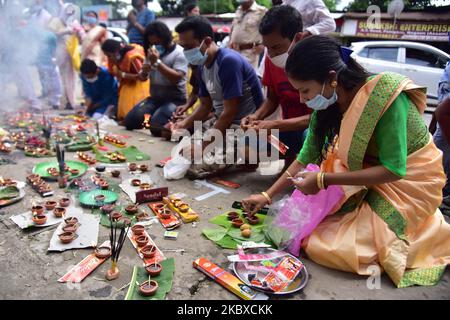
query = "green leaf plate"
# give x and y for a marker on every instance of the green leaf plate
(88, 198)
(41, 169)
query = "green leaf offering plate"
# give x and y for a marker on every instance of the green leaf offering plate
(88, 198)
(41, 169)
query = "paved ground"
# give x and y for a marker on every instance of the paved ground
(30, 272)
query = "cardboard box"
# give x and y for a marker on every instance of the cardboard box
(228, 280)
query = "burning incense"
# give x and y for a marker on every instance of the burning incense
(116, 246)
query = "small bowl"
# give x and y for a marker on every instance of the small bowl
(74, 172)
(102, 252)
(131, 209)
(100, 198)
(148, 289)
(133, 166)
(237, 223)
(141, 240)
(153, 269)
(145, 186)
(115, 216)
(252, 220)
(135, 182)
(166, 214)
(107, 208)
(50, 205)
(39, 219)
(59, 212)
(37, 209)
(64, 202)
(184, 208)
(115, 173)
(126, 221)
(143, 167)
(137, 229)
(71, 221)
(67, 237)
(148, 251)
(104, 185)
(70, 228)
(232, 215)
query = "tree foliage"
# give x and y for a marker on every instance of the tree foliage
(362, 5)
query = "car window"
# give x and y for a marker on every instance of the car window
(421, 58)
(382, 53)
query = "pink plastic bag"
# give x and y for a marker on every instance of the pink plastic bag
(296, 217)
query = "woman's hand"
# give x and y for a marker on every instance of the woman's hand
(308, 182)
(253, 203)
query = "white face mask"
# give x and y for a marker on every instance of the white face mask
(92, 80)
(280, 60)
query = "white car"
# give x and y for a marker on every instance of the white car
(422, 63)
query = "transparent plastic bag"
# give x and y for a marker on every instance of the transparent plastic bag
(295, 217)
(177, 167)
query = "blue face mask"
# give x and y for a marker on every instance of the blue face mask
(160, 49)
(319, 102)
(91, 20)
(195, 56)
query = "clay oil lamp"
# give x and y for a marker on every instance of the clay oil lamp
(232, 215)
(54, 173)
(50, 205)
(113, 157)
(184, 207)
(102, 252)
(132, 166)
(100, 168)
(67, 237)
(104, 185)
(74, 172)
(77, 182)
(33, 177)
(253, 220)
(39, 219)
(99, 198)
(71, 221)
(115, 173)
(142, 216)
(159, 207)
(145, 186)
(37, 209)
(137, 229)
(59, 212)
(136, 182)
(148, 251)
(148, 288)
(131, 209)
(64, 202)
(166, 214)
(176, 202)
(121, 158)
(125, 221)
(237, 223)
(141, 240)
(107, 208)
(153, 269)
(70, 228)
(143, 167)
(115, 216)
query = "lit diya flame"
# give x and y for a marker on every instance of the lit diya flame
(146, 123)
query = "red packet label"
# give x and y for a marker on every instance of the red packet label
(169, 224)
(283, 275)
(229, 184)
(280, 146)
(83, 268)
(159, 256)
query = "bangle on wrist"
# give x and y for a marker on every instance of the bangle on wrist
(269, 200)
(320, 180)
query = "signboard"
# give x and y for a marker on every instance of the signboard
(404, 30)
(104, 12)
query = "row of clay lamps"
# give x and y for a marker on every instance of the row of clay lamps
(38, 183)
(7, 183)
(134, 167)
(180, 205)
(38, 211)
(86, 158)
(114, 140)
(141, 185)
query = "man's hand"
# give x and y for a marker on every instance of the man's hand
(132, 19)
(262, 124)
(247, 121)
(180, 125)
(152, 55)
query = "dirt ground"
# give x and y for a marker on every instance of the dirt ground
(28, 271)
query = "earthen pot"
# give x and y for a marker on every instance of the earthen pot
(74, 172)
(148, 251)
(115, 215)
(143, 167)
(71, 221)
(166, 214)
(237, 223)
(183, 208)
(141, 240)
(115, 173)
(253, 220)
(135, 182)
(67, 237)
(126, 221)
(142, 216)
(107, 208)
(50, 205)
(64, 202)
(153, 269)
(33, 177)
(70, 228)
(104, 185)
(145, 186)
(99, 198)
(39, 219)
(38, 210)
(232, 215)
(159, 206)
(133, 166)
(137, 229)
(148, 289)
(59, 212)
(131, 209)
(102, 252)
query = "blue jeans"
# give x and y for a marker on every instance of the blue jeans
(161, 112)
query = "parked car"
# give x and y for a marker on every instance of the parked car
(119, 34)
(422, 63)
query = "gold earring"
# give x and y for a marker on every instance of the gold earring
(334, 84)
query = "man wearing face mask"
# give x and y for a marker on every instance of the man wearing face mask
(278, 29)
(100, 89)
(167, 69)
(91, 47)
(228, 84)
(138, 20)
(244, 31)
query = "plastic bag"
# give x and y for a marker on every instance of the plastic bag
(294, 218)
(177, 167)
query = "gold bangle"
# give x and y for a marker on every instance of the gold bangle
(318, 180)
(323, 180)
(269, 200)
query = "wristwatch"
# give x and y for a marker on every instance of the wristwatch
(156, 64)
